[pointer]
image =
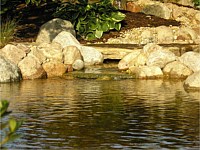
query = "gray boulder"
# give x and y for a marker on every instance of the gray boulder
(191, 60)
(9, 72)
(160, 58)
(52, 28)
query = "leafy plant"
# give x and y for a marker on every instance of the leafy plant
(7, 31)
(12, 125)
(91, 20)
(196, 3)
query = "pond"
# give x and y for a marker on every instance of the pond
(98, 114)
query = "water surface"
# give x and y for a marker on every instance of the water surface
(93, 114)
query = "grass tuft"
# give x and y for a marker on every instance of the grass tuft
(7, 31)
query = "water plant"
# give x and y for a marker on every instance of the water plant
(91, 20)
(8, 128)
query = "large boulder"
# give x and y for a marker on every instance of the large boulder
(15, 53)
(176, 69)
(52, 28)
(160, 58)
(9, 72)
(157, 55)
(193, 82)
(31, 68)
(91, 56)
(66, 39)
(54, 68)
(191, 60)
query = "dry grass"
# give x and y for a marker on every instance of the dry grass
(7, 31)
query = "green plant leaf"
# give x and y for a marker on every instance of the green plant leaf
(111, 25)
(12, 125)
(105, 26)
(117, 16)
(90, 36)
(98, 34)
(118, 26)
(3, 107)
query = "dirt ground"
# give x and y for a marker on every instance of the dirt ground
(29, 25)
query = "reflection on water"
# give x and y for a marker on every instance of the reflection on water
(91, 114)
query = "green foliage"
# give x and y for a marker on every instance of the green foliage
(12, 125)
(35, 2)
(196, 3)
(91, 20)
(7, 31)
(11, 6)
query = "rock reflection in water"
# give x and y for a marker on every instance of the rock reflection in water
(128, 114)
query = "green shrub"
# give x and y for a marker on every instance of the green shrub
(91, 19)
(7, 31)
(12, 125)
(196, 3)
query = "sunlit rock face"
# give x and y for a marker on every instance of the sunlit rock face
(9, 72)
(191, 60)
(193, 82)
(176, 69)
(52, 28)
(15, 53)
(31, 68)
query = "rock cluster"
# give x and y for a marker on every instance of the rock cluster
(153, 61)
(187, 33)
(52, 55)
(57, 51)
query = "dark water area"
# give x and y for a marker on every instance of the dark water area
(94, 114)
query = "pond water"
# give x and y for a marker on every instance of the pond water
(95, 114)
